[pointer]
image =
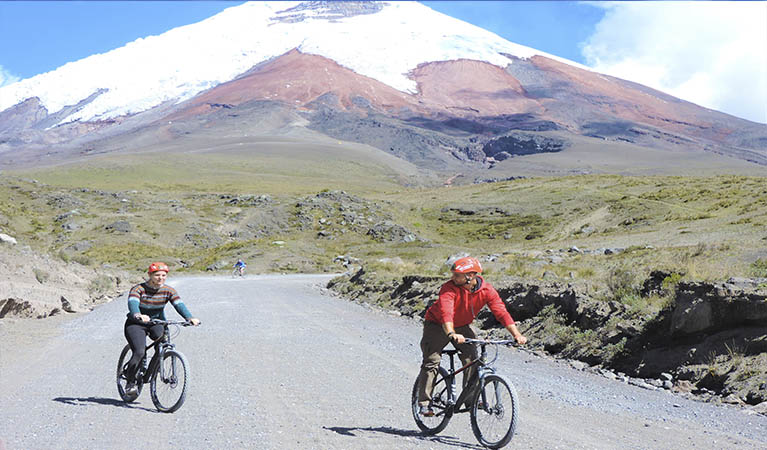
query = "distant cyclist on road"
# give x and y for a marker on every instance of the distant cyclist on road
(239, 267)
(449, 320)
(146, 301)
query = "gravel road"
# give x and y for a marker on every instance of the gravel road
(279, 365)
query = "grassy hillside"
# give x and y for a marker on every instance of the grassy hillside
(274, 165)
(204, 209)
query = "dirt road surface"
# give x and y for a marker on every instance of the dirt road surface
(277, 364)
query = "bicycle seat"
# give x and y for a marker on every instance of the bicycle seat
(449, 351)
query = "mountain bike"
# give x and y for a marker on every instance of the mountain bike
(491, 398)
(167, 372)
(238, 272)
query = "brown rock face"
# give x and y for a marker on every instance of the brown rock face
(297, 79)
(467, 87)
(457, 88)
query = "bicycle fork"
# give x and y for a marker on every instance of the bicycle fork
(472, 387)
(469, 390)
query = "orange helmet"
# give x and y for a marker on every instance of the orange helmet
(156, 266)
(466, 265)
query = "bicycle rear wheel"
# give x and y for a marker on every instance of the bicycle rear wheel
(495, 412)
(441, 395)
(169, 382)
(122, 380)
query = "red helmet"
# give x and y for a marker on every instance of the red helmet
(466, 265)
(156, 266)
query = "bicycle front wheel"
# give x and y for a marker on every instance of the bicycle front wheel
(122, 380)
(495, 412)
(443, 411)
(169, 382)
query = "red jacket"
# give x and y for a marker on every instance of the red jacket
(458, 305)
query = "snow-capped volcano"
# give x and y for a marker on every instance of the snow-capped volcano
(385, 41)
(397, 76)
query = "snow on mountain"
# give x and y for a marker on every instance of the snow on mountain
(381, 40)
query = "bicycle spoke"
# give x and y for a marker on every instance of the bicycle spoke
(494, 414)
(439, 405)
(170, 382)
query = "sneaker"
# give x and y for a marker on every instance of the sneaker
(426, 411)
(131, 389)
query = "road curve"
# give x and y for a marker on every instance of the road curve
(277, 364)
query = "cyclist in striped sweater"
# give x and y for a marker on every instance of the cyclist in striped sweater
(147, 301)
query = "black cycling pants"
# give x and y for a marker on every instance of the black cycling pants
(136, 333)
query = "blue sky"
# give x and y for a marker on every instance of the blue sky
(711, 53)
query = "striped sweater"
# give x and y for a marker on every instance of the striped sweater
(144, 299)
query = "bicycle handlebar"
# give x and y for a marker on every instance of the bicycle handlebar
(508, 342)
(184, 323)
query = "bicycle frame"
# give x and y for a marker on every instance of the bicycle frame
(483, 370)
(161, 345)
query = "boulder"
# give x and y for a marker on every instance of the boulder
(391, 232)
(66, 305)
(122, 226)
(707, 307)
(5, 239)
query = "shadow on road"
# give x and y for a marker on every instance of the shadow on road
(447, 440)
(79, 401)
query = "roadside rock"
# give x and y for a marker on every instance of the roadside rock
(67, 306)
(5, 239)
(25, 309)
(708, 308)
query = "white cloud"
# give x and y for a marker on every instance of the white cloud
(713, 54)
(7, 77)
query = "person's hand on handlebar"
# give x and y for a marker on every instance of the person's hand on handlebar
(518, 336)
(194, 321)
(456, 338)
(141, 317)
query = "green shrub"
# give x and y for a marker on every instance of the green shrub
(99, 285)
(82, 260)
(64, 256)
(611, 351)
(620, 282)
(669, 283)
(759, 268)
(41, 275)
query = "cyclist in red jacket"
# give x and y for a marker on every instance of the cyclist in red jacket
(449, 320)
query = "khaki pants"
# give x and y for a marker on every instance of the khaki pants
(433, 341)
